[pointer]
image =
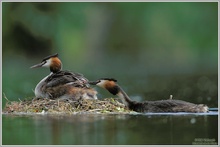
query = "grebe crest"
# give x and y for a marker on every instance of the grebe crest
(169, 105)
(62, 84)
(52, 62)
(107, 83)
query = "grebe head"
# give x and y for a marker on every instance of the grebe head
(107, 83)
(52, 62)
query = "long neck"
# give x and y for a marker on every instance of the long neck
(55, 69)
(56, 66)
(124, 97)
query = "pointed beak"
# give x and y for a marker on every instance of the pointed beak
(38, 65)
(93, 82)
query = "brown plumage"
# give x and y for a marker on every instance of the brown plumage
(72, 93)
(55, 64)
(62, 84)
(168, 105)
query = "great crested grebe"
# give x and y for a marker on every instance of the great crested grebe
(62, 84)
(168, 105)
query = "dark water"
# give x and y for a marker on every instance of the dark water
(110, 129)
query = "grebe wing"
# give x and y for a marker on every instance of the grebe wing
(66, 77)
(170, 103)
(169, 106)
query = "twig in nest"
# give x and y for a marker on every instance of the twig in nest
(6, 97)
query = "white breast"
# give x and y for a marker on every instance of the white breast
(38, 89)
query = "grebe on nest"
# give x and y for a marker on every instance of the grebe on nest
(62, 84)
(168, 105)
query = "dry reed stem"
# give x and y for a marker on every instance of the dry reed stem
(64, 106)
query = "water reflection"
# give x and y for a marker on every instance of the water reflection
(89, 129)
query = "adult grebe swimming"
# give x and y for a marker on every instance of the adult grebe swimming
(168, 105)
(62, 84)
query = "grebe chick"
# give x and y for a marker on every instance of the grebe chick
(62, 84)
(169, 105)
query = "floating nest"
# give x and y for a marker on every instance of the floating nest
(60, 106)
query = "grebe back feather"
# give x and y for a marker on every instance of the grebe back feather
(61, 83)
(168, 105)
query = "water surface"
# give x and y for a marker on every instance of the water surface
(111, 129)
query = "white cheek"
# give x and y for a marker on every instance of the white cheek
(48, 63)
(101, 84)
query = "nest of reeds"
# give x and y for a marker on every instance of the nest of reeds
(61, 106)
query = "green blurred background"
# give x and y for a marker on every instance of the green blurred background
(153, 49)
